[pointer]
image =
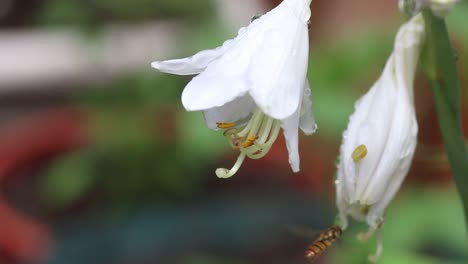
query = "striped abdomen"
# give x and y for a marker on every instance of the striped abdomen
(323, 242)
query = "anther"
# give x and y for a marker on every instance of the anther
(359, 153)
(225, 125)
(249, 142)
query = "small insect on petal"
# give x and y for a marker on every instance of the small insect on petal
(359, 153)
(225, 125)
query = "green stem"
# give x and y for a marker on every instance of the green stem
(439, 63)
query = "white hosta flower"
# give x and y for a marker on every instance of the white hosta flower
(440, 8)
(380, 140)
(254, 84)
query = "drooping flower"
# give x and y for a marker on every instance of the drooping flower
(380, 140)
(440, 8)
(254, 84)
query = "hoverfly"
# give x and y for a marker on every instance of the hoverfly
(323, 242)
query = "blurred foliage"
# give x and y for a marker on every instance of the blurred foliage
(92, 13)
(67, 181)
(146, 148)
(421, 226)
(335, 72)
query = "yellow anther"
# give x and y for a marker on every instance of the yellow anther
(252, 138)
(359, 153)
(225, 125)
(249, 142)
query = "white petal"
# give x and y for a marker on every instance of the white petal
(207, 91)
(373, 130)
(290, 127)
(194, 64)
(235, 111)
(307, 120)
(269, 58)
(442, 8)
(342, 196)
(278, 70)
(377, 211)
(400, 140)
(408, 44)
(225, 78)
(347, 174)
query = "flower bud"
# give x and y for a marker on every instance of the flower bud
(380, 140)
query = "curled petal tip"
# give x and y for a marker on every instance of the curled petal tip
(156, 65)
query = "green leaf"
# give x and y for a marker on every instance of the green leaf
(440, 67)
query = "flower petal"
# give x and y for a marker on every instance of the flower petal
(224, 79)
(194, 64)
(210, 90)
(268, 58)
(290, 127)
(279, 68)
(307, 120)
(408, 44)
(378, 209)
(235, 111)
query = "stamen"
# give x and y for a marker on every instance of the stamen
(256, 118)
(225, 125)
(265, 147)
(256, 123)
(225, 173)
(253, 141)
(249, 142)
(359, 153)
(265, 130)
(229, 132)
(379, 251)
(365, 236)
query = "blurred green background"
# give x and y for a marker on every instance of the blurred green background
(101, 164)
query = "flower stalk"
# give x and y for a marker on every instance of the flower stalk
(439, 65)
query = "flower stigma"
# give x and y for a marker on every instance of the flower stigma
(254, 140)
